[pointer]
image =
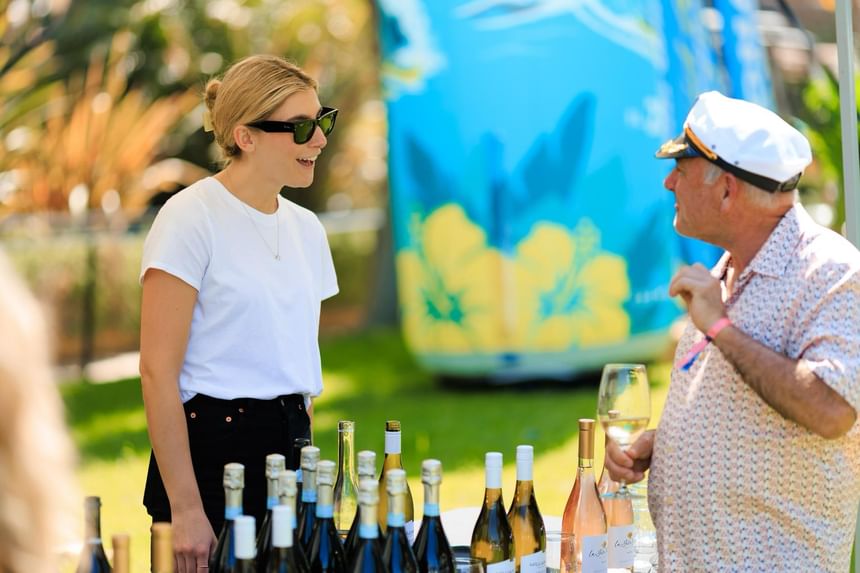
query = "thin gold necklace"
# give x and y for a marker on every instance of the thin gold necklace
(277, 251)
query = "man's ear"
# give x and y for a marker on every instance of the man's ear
(731, 189)
(244, 139)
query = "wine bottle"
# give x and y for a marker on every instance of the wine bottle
(432, 550)
(119, 544)
(223, 559)
(392, 461)
(583, 515)
(524, 517)
(366, 470)
(275, 466)
(345, 499)
(368, 555)
(397, 552)
(325, 551)
(93, 558)
(243, 530)
(296, 465)
(308, 508)
(492, 540)
(287, 496)
(619, 519)
(284, 557)
(161, 548)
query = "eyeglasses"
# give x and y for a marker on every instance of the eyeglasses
(302, 130)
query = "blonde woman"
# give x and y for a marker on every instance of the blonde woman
(233, 275)
(38, 495)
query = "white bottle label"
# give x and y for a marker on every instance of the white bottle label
(594, 554)
(501, 567)
(622, 545)
(410, 531)
(534, 563)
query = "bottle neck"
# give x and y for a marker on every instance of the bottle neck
(290, 501)
(92, 523)
(282, 530)
(492, 496)
(232, 502)
(396, 510)
(523, 492)
(271, 492)
(369, 525)
(325, 509)
(345, 455)
(431, 500)
(525, 469)
(309, 487)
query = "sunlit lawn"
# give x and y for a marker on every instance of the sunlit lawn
(369, 378)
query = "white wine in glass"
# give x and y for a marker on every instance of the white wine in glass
(624, 408)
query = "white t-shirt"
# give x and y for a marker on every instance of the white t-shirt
(256, 320)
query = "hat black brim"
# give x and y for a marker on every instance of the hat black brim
(676, 149)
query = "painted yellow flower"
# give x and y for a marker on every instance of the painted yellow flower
(569, 292)
(449, 285)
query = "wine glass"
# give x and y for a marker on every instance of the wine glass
(623, 409)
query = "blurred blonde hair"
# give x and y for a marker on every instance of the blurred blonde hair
(38, 495)
(251, 90)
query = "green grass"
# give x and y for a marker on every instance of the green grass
(369, 378)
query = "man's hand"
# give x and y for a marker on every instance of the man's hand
(630, 465)
(701, 293)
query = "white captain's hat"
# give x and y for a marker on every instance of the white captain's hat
(745, 139)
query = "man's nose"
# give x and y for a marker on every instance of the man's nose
(669, 181)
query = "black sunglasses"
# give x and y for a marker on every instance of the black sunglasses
(302, 130)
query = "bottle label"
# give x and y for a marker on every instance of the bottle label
(534, 563)
(368, 531)
(409, 526)
(271, 502)
(309, 495)
(325, 511)
(595, 557)
(232, 512)
(622, 545)
(431, 509)
(392, 442)
(396, 520)
(501, 567)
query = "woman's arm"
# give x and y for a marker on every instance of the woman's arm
(166, 311)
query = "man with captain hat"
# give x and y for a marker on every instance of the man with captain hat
(755, 464)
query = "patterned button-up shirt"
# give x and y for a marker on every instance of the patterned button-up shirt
(735, 486)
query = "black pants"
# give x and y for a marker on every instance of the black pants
(245, 431)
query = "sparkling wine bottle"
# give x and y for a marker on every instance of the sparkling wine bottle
(93, 558)
(492, 541)
(368, 555)
(275, 466)
(119, 543)
(325, 551)
(296, 464)
(223, 559)
(243, 530)
(308, 511)
(619, 519)
(161, 548)
(345, 498)
(583, 515)
(525, 519)
(287, 491)
(366, 470)
(432, 550)
(284, 557)
(397, 552)
(393, 461)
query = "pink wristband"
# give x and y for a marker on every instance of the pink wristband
(718, 327)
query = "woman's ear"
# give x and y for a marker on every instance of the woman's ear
(243, 137)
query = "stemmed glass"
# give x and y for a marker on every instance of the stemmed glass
(623, 409)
